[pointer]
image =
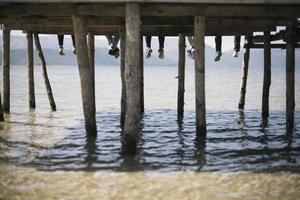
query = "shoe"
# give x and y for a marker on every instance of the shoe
(190, 53)
(148, 52)
(61, 51)
(218, 57)
(117, 52)
(111, 52)
(161, 54)
(235, 54)
(74, 51)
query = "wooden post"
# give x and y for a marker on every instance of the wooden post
(132, 75)
(122, 69)
(1, 110)
(290, 75)
(44, 70)
(6, 69)
(86, 75)
(199, 36)
(245, 72)
(91, 53)
(142, 109)
(267, 75)
(181, 76)
(30, 70)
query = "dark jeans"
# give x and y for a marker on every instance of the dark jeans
(61, 40)
(161, 40)
(218, 41)
(237, 43)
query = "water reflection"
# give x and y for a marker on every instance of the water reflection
(165, 143)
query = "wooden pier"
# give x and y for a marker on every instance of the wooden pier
(133, 19)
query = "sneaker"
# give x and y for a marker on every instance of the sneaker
(235, 54)
(61, 51)
(148, 52)
(117, 52)
(218, 57)
(161, 54)
(111, 52)
(74, 51)
(190, 53)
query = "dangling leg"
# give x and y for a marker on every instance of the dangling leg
(161, 40)
(61, 44)
(218, 41)
(148, 44)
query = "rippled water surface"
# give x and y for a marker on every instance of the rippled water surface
(241, 155)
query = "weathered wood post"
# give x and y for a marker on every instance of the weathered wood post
(142, 109)
(181, 76)
(248, 41)
(1, 110)
(267, 75)
(122, 69)
(30, 60)
(132, 75)
(91, 53)
(6, 68)
(290, 75)
(44, 71)
(86, 75)
(199, 35)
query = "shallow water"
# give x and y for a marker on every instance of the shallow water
(242, 157)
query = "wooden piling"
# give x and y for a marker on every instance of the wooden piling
(181, 76)
(267, 75)
(142, 109)
(290, 76)
(6, 69)
(122, 70)
(132, 74)
(199, 35)
(86, 75)
(1, 110)
(30, 65)
(44, 71)
(91, 54)
(245, 71)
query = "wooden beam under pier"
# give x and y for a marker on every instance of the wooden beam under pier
(86, 75)
(6, 68)
(290, 76)
(248, 40)
(30, 66)
(44, 71)
(181, 76)
(122, 70)
(199, 35)
(267, 75)
(154, 9)
(132, 77)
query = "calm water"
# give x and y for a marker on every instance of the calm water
(242, 156)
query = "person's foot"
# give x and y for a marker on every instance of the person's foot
(161, 54)
(117, 52)
(148, 52)
(111, 52)
(190, 53)
(235, 54)
(218, 57)
(61, 51)
(74, 51)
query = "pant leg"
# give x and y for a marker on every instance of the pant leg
(161, 40)
(191, 41)
(73, 40)
(218, 41)
(115, 41)
(60, 40)
(109, 39)
(237, 43)
(148, 41)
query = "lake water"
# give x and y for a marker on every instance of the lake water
(46, 155)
